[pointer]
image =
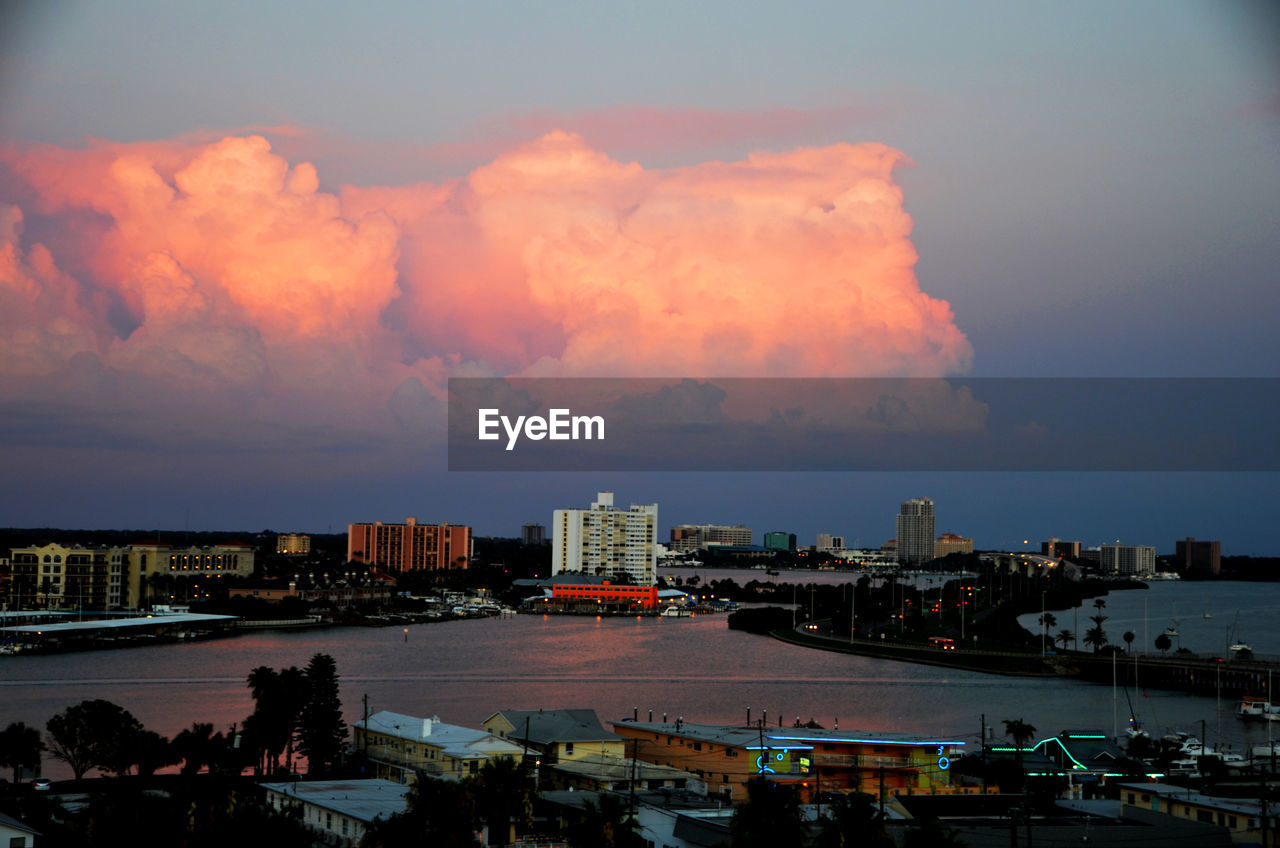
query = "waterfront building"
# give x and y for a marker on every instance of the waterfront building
(726, 757)
(107, 578)
(338, 811)
(583, 592)
(698, 537)
(557, 736)
(597, 773)
(1199, 559)
(827, 543)
(533, 534)
(76, 577)
(159, 573)
(410, 546)
(401, 746)
(779, 540)
(293, 544)
(950, 543)
(606, 541)
(915, 538)
(1127, 560)
(342, 594)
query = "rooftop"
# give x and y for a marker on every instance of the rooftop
(364, 800)
(458, 742)
(781, 737)
(547, 727)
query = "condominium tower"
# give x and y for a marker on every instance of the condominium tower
(607, 541)
(915, 531)
(410, 546)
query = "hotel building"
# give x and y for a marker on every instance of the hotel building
(1127, 560)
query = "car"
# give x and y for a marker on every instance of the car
(42, 784)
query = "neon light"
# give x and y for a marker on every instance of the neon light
(944, 763)
(871, 741)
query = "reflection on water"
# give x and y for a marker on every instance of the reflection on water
(691, 667)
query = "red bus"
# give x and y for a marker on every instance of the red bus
(942, 643)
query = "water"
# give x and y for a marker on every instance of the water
(691, 667)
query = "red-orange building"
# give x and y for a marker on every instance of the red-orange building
(641, 597)
(410, 546)
(810, 759)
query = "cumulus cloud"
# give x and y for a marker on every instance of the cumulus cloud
(211, 269)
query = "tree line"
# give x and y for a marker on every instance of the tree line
(296, 712)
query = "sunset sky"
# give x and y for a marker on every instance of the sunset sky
(243, 246)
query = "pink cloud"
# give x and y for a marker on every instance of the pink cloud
(243, 275)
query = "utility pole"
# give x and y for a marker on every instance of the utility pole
(635, 747)
(882, 796)
(982, 744)
(366, 725)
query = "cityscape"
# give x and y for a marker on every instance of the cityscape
(572, 425)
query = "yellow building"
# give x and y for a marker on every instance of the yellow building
(293, 544)
(73, 577)
(401, 746)
(557, 735)
(950, 543)
(161, 574)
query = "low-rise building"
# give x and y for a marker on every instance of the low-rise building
(950, 543)
(1242, 817)
(726, 757)
(402, 746)
(579, 592)
(557, 735)
(339, 811)
(597, 773)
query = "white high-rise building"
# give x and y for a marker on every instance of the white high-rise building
(607, 541)
(915, 531)
(1126, 560)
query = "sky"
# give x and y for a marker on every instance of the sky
(244, 246)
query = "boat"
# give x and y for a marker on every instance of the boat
(1253, 708)
(1240, 646)
(1171, 632)
(675, 612)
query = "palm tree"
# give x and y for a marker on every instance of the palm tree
(1163, 643)
(1064, 636)
(1097, 637)
(196, 747)
(769, 817)
(1020, 732)
(1128, 641)
(503, 798)
(1046, 621)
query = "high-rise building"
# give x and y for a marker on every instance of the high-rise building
(950, 543)
(1199, 558)
(1126, 560)
(780, 540)
(533, 534)
(410, 546)
(293, 544)
(826, 543)
(915, 531)
(699, 537)
(606, 541)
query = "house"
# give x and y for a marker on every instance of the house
(402, 746)
(557, 735)
(15, 834)
(339, 811)
(596, 773)
(726, 757)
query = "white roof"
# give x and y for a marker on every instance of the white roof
(458, 742)
(364, 800)
(119, 623)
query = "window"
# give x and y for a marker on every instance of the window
(1204, 816)
(21, 842)
(568, 748)
(1132, 798)
(1231, 822)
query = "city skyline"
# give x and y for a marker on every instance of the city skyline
(245, 250)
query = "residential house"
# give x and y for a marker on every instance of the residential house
(339, 811)
(402, 746)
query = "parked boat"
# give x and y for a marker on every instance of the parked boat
(1253, 708)
(675, 612)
